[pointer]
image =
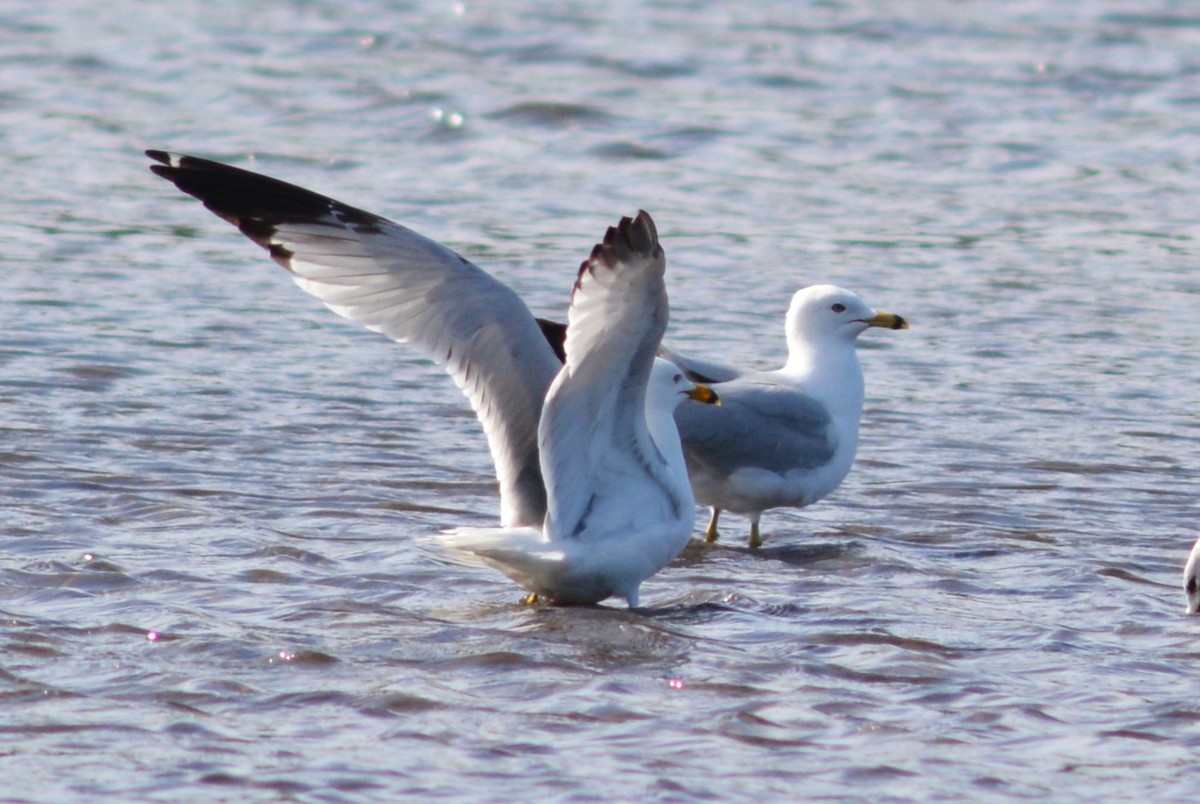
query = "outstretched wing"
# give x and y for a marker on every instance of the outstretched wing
(394, 281)
(593, 428)
(699, 370)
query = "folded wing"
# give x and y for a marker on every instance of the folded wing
(761, 425)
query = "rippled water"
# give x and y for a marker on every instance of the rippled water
(216, 573)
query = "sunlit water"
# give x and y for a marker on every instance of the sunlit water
(217, 577)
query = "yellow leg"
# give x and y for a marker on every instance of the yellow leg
(755, 539)
(710, 533)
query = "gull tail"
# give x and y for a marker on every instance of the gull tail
(537, 566)
(520, 553)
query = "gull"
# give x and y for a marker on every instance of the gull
(786, 437)
(1189, 580)
(596, 431)
(783, 438)
(619, 505)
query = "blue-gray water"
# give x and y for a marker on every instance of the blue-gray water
(217, 577)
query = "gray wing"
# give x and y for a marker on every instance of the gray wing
(759, 423)
(394, 281)
(593, 429)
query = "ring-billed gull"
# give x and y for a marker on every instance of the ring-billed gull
(619, 503)
(785, 437)
(1189, 579)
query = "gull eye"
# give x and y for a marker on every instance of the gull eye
(838, 307)
(677, 378)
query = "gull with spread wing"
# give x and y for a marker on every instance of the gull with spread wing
(597, 432)
(619, 505)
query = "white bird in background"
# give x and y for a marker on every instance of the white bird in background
(783, 438)
(619, 503)
(1189, 580)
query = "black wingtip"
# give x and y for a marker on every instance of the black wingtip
(636, 236)
(255, 203)
(647, 229)
(164, 168)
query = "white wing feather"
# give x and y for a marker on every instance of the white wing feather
(593, 429)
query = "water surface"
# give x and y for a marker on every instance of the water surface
(217, 576)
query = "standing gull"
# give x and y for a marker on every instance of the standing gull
(785, 437)
(619, 503)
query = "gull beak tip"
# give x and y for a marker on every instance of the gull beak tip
(888, 321)
(704, 394)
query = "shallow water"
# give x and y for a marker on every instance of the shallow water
(216, 573)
